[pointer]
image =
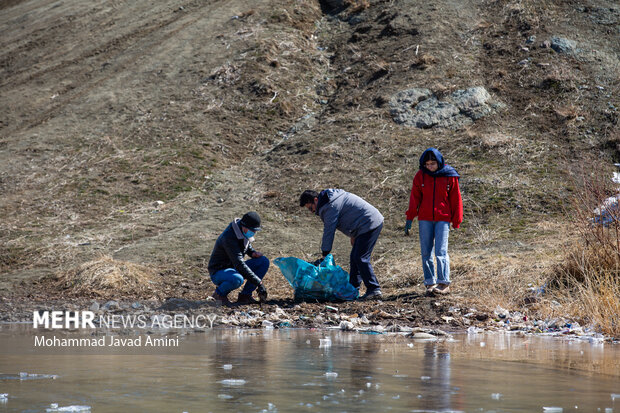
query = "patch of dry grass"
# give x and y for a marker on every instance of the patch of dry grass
(590, 290)
(106, 277)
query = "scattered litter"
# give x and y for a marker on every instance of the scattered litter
(4, 397)
(553, 409)
(331, 308)
(615, 396)
(410, 345)
(331, 374)
(267, 324)
(483, 344)
(425, 378)
(496, 396)
(233, 382)
(227, 366)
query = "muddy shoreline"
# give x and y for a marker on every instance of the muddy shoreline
(427, 316)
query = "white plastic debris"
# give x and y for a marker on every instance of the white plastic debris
(496, 396)
(552, 409)
(233, 382)
(425, 378)
(615, 396)
(227, 366)
(483, 344)
(346, 326)
(331, 374)
(224, 396)
(267, 324)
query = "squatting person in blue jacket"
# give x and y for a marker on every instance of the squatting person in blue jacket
(228, 268)
(358, 220)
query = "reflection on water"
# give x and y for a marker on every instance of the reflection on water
(287, 370)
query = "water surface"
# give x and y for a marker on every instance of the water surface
(299, 370)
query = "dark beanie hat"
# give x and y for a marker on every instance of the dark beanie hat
(251, 221)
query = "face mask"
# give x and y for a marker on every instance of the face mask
(249, 234)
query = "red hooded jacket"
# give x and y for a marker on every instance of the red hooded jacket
(436, 199)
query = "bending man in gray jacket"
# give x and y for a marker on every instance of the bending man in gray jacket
(358, 220)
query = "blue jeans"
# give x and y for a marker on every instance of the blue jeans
(229, 279)
(434, 237)
(361, 269)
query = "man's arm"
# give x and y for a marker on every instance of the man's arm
(231, 246)
(329, 215)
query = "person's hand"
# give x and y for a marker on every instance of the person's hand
(408, 226)
(262, 293)
(257, 254)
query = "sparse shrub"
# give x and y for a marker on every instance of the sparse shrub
(588, 280)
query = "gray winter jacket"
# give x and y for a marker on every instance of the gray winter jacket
(346, 212)
(229, 250)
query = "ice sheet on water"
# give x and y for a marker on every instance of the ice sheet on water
(224, 396)
(325, 342)
(27, 376)
(233, 382)
(79, 409)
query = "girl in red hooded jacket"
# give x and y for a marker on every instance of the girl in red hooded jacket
(436, 201)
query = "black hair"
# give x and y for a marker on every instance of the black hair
(430, 156)
(307, 197)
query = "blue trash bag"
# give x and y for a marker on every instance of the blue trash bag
(326, 281)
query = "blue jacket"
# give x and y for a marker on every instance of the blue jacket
(346, 212)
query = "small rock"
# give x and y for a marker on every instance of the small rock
(111, 305)
(564, 46)
(423, 336)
